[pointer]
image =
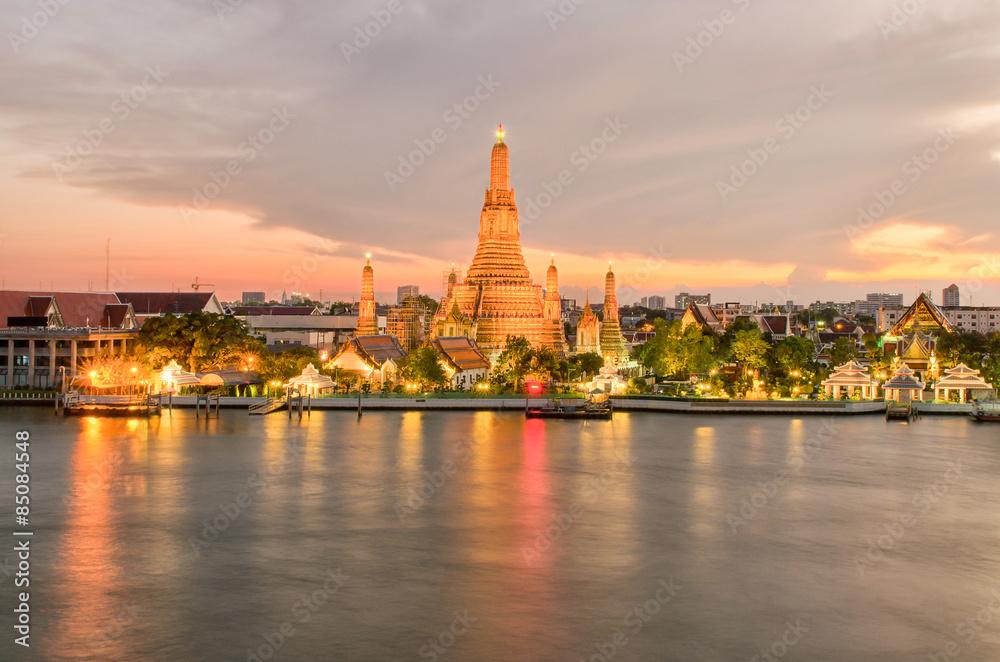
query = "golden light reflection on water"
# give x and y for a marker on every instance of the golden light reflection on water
(704, 493)
(704, 445)
(411, 446)
(89, 571)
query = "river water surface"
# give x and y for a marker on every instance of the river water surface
(482, 536)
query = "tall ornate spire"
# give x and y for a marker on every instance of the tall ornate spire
(367, 326)
(612, 342)
(498, 256)
(610, 296)
(553, 304)
(500, 165)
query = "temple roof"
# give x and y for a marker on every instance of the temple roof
(962, 376)
(923, 315)
(460, 353)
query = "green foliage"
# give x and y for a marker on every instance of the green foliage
(794, 353)
(519, 359)
(590, 362)
(429, 303)
(843, 350)
(282, 366)
(749, 350)
(424, 368)
(196, 340)
(678, 351)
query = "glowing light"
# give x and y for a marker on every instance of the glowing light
(500, 133)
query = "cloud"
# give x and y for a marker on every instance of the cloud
(325, 175)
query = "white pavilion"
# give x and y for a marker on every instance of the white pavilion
(961, 378)
(852, 375)
(904, 386)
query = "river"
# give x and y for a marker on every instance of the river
(483, 536)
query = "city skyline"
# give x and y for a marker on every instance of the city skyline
(323, 146)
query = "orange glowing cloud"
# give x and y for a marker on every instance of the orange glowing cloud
(914, 251)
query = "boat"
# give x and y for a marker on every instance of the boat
(592, 408)
(986, 414)
(115, 406)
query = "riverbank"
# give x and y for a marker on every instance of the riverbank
(621, 403)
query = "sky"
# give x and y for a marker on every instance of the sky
(757, 150)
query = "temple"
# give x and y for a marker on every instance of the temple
(912, 341)
(497, 297)
(612, 343)
(367, 324)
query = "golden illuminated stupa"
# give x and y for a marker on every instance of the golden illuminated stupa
(367, 324)
(496, 297)
(612, 343)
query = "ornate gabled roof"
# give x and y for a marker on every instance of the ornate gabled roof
(923, 315)
(962, 376)
(917, 346)
(903, 379)
(460, 353)
(703, 315)
(851, 373)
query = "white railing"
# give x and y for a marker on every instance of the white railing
(266, 406)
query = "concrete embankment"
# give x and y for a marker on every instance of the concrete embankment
(621, 403)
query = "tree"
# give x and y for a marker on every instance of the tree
(282, 366)
(749, 350)
(429, 303)
(519, 359)
(963, 347)
(195, 339)
(843, 350)
(794, 353)
(590, 362)
(677, 350)
(424, 367)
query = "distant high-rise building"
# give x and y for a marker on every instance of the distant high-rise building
(875, 300)
(403, 292)
(683, 300)
(653, 302)
(252, 298)
(950, 296)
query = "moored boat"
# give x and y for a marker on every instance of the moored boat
(987, 413)
(590, 408)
